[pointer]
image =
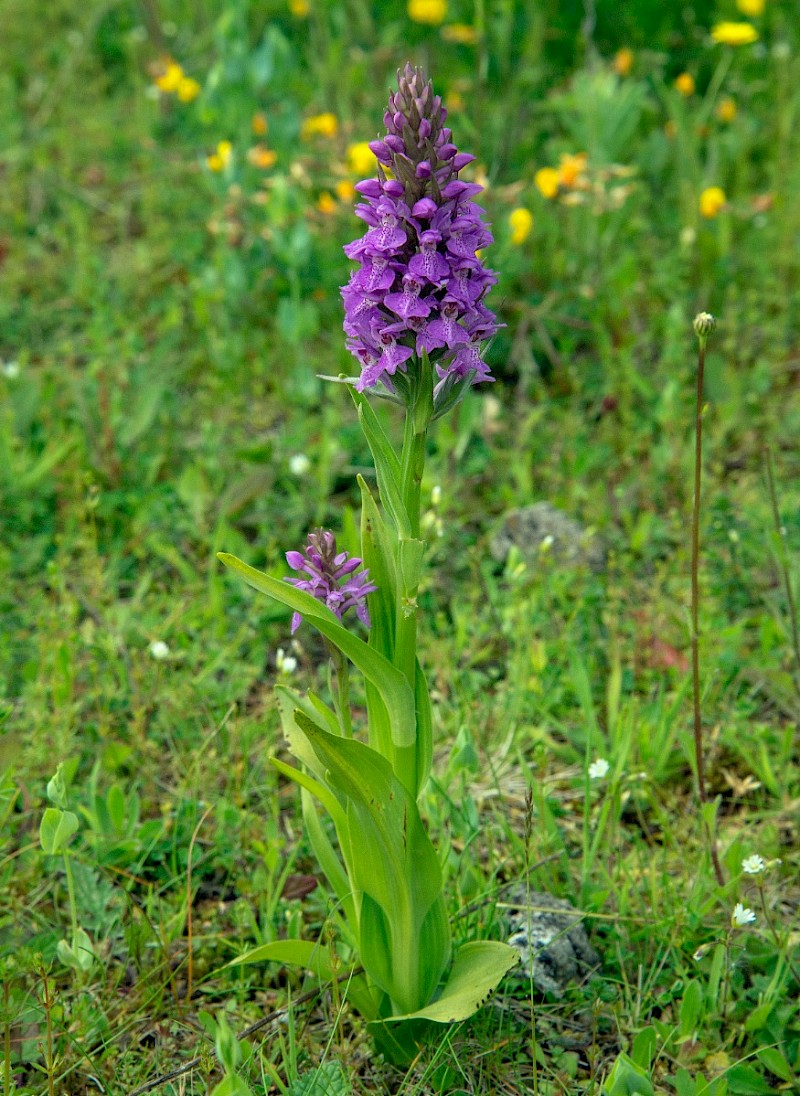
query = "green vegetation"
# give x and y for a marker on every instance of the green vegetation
(170, 257)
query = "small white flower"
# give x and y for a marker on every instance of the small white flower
(742, 916)
(10, 370)
(598, 769)
(299, 464)
(285, 664)
(754, 864)
(687, 237)
(159, 650)
(546, 544)
(436, 495)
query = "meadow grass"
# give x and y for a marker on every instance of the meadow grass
(164, 318)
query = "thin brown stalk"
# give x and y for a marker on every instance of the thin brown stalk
(702, 791)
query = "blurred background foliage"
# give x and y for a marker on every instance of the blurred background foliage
(176, 186)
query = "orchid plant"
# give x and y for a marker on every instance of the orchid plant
(416, 321)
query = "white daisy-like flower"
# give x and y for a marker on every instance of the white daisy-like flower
(299, 464)
(742, 916)
(754, 865)
(285, 664)
(159, 650)
(598, 769)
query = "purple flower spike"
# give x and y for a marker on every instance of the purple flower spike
(420, 286)
(331, 577)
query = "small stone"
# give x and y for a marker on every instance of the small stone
(550, 938)
(543, 529)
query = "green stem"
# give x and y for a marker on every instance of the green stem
(73, 906)
(341, 693)
(343, 698)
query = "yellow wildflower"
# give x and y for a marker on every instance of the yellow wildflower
(571, 168)
(712, 200)
(320, 125)
(623, 61)
(685, 84)
(261, 156)
(259, 125)
(521, 222)
(326, 203)
(734, 34)
(461, 33)
(188, 89)
(455, 100)
(170, 78)
(345, 191)
(546, 181)
(361, 159)
(751, 8)
(299, 8)
(726, 110)
(220, 159)
(431, 12)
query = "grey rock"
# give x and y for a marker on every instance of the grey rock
(543, 528)
(550, 938)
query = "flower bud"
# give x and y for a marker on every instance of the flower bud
(704, 324)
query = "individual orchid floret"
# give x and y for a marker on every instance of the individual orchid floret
(420, 285)
(331, 577)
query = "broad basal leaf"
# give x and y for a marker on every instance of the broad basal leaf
(394, 864)
(478, 969)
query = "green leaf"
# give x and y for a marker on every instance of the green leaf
(424, 728)
(57, 789)
(318, 789)
(387, 465)
(775, 1063)
(232, 1085)
(393, 863)
(627, 1079)
(290, 701)
(478, 969)
(744, 1081)
(57, 830)
(229, 1052)
(387, 679)
(79, 955)
(410, 557)
(314, 958)
(328, 1079)
(377, 552)
(295, 953)
(691, 1008)
(115, 803)
(330, 862)
(644, 1047)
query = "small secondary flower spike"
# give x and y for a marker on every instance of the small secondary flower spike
(333, 577)
(420, 286)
